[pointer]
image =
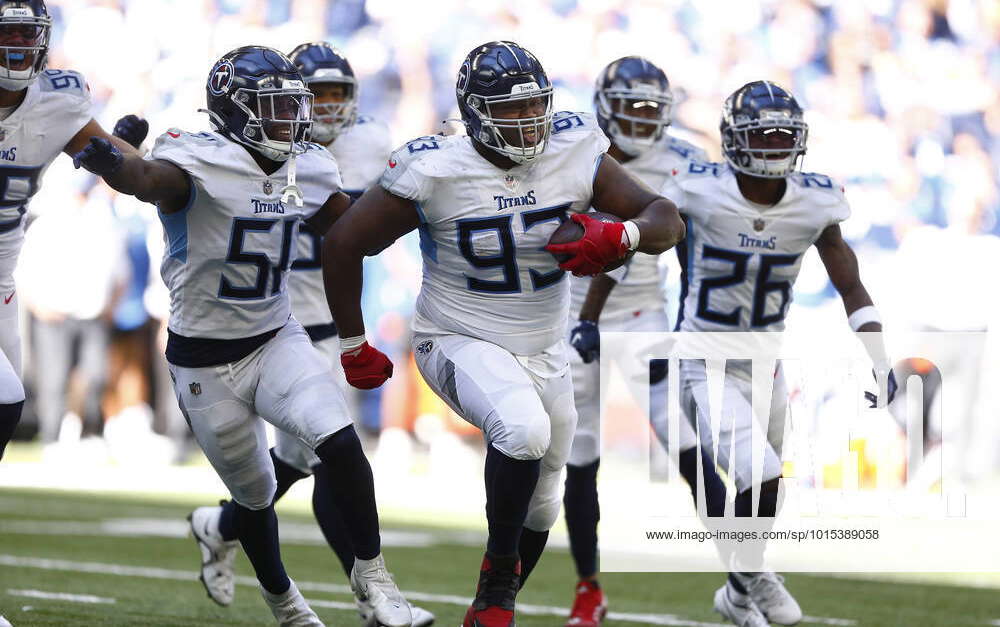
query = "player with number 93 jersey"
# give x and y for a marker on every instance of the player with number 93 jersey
(490, 318)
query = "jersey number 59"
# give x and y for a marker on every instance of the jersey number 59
(266, 272)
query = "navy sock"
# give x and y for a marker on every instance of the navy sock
(353, 489)
(258, 533)
(510, 483)
(531, 546)
(583, 512)
(330, 520)
(286, 477)
(768, 506)
(715, 490)
(10, 415)
(736, 584)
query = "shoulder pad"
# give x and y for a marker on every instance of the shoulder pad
(64, 82)
(703, 168)
(819, 182)
(685, 149)
(573, 121)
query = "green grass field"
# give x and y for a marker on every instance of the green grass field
(87, 546)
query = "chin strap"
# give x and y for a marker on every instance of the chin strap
(291, 190)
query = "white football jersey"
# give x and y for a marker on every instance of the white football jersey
(643, 281)
(228, 252)
(55, 107)
(361, 152)
(740, 260)
(483, 231)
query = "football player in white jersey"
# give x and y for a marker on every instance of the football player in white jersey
(633, 101)
(749, 222)
(231, 202)
(42, 113)
(361, 147)
(489, 327)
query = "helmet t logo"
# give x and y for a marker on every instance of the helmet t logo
(222, 78)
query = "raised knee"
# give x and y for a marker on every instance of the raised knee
(11, 392)
(528, 440)
(257, 494)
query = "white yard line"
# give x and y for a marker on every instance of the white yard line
(183, 575)
(59, 596)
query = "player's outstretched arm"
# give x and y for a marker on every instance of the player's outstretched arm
(124, 169)
(619, 193)
(372, 223)
(842, 267)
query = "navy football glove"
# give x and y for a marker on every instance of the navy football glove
(99, 156)
(586, 339)
(132, 129)
(891, 388)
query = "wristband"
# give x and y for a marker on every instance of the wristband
(632, 233)
(861, 317)
(348, 344)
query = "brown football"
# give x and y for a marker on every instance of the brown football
(570, 231)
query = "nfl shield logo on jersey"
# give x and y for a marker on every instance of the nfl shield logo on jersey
(195, 389)
(510, 182)
(759, 224)
(268, 187)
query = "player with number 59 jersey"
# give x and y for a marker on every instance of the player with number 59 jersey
(231, 201)
(43, 112)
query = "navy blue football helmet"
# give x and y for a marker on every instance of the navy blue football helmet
(321, 63)
(633, 103)
(498, 79)
(767, 116)
(257, 97)
(24, 42)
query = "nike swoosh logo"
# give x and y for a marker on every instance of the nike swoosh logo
(7, 299)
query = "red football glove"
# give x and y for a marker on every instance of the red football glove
(366, 367)
(602, 243)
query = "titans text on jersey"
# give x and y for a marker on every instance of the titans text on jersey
(486, 274)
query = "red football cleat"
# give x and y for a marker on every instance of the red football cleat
(499, 580)
(590, 606)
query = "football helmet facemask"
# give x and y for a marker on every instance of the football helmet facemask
(321, 65)
(258, 98)
(505, 99)
(634, 104)
(25, 27)
(763, 133)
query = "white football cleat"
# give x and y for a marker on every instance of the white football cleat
(420, 616)
(291, 608)
(742, 613)
(216, 555)
(373, 587)
(767, 589)
(4, 622)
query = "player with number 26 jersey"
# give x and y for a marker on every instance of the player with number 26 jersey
(739, 260)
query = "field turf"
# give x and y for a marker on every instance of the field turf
(96, 559)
